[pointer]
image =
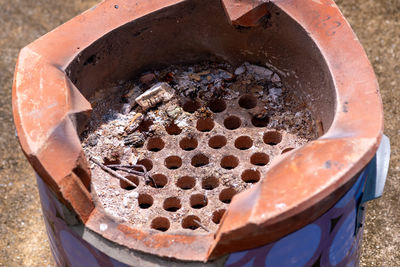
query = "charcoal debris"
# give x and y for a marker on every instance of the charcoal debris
(275, 94)
(240, 70)
(225, 75)
(129, 99)
(160, 92)
(135, 139)
(259, 72)
(92, 140)
(174, 111)
(134, 123)
(275, 78)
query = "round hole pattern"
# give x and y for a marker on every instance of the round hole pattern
(188, 143)
(251, 176)
(216, 152)
(161, 224)
(243, 142)
(173, 162)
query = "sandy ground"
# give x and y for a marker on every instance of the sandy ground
(23, 241)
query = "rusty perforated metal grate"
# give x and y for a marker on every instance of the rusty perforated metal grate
(224, 145)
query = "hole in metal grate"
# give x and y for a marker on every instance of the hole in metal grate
(173, 129)
(159, 179)
(259, 159)
(126, 186)
(145, 125)
(155, 144)
(173, 162)
(148, 164)
(272, 138)
(191, 222)
(232, 123)
(248, 101)
(217, 141)
(260, 122)
(191, 106)
(205, 125)
(226, 195)
(243, 142)
(188, 143)
(217, 216)
(210, 183)
(200, 160)
(229, 162)
(251, 176)
(217, 105)
(172, 204)
(198, 201)
(186, 182)
(160, 223)
(145, 201)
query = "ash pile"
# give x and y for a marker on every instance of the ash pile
(169, 150)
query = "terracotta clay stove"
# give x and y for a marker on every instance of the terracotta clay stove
(308, 43)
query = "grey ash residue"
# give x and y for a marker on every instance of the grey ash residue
(204, 132)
